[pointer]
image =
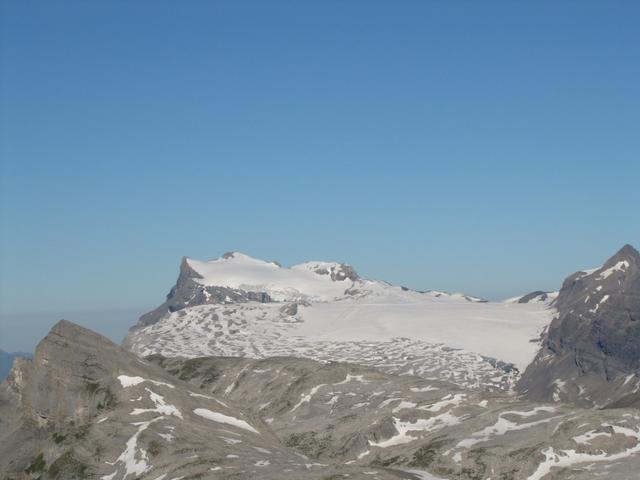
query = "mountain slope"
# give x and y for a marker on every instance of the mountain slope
(591, 351)
(85, 408)
(348, 414)
(236, 305)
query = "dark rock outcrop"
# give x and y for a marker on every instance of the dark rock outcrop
(538, 296)
(342, 272)
(187, 292)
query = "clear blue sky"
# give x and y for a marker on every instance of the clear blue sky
(487, 147)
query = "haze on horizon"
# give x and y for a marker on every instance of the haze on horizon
(485, 148)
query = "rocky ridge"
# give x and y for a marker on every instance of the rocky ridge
(85, 408)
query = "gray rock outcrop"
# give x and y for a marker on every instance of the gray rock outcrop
(347, 414)
(6, 361)
(591, 352)
(187, 292)
(538, 296)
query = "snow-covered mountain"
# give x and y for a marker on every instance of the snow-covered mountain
(241, 306)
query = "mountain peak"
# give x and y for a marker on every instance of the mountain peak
(628, 253)
(66, 328)
(69, 333)
(594, 335)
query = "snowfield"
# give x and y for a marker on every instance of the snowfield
(497, 330)
(324, 307)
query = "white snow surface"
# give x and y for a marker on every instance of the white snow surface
(161, 406)
(618, 267)
(251, 274)
(129, 381)
(497, 330)
(132, 465)
(222, 418)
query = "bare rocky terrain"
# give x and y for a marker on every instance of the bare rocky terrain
(348, 414)
(86, 408)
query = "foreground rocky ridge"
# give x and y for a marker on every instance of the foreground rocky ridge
(85, 408)
(590, 354)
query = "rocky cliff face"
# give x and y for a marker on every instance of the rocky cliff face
(192, 288)
(187, 292)
(591, 351)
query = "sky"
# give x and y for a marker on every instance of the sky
(485, 147)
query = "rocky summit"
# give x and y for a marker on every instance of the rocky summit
(590, 353)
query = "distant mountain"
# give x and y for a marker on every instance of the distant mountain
(591, 351)
(241, 306)
(236, 278)
(6, 361)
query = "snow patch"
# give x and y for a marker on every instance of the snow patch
(567, 458)
(221, 418)
(127, 381)
(424, 425)
(618, 267)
